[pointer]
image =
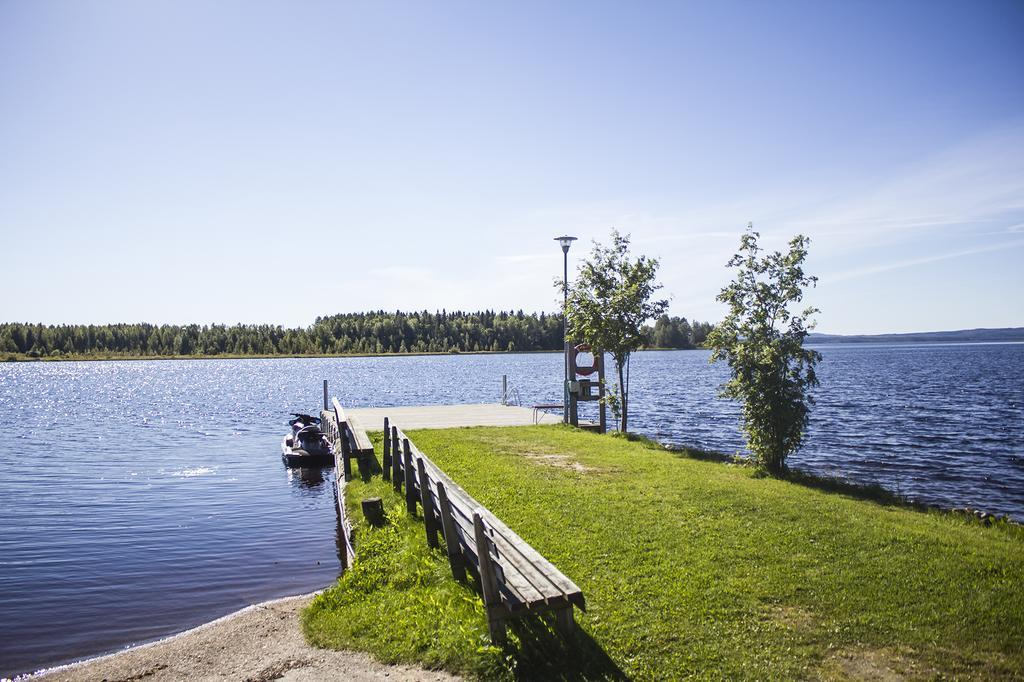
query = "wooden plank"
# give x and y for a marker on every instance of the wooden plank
(464, 526)
(519, 574)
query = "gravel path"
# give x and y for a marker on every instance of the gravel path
(260, 643)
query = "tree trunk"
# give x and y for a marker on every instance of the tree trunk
(623, 398)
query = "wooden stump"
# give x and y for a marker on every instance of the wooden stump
(373, 510)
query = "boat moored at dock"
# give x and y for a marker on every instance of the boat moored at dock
(306, 445)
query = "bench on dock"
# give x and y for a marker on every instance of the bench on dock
(349, 439)
(514, 578)
(540, 410)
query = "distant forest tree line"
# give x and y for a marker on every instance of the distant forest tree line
(349, 333)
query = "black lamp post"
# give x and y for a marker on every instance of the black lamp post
(565, 243)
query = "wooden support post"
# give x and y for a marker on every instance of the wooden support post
(488, 581)
(564, 621)
(346, 452)
(429, 519)
(410, 477)
(396, 460)
(325, 394)
(451, 536)
(387, 450)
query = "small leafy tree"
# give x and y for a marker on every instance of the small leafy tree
(608, 305)
(762, 340)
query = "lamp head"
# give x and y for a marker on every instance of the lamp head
(566, 242)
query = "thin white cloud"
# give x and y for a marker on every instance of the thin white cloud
(978, 182)
(912, 262)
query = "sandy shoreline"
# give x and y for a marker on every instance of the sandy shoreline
(261, 642)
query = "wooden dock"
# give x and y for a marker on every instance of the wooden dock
(453, 416)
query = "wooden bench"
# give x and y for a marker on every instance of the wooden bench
(539, 410)
(514, 578)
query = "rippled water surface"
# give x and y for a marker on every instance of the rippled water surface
(142, 498)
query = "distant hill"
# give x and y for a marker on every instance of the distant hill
(961, 336)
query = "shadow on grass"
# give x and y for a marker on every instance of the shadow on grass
(706, 455)
(869, 492)
(543, 654)
(369, 466)
(872, 492)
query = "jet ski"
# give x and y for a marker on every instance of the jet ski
(306, 445)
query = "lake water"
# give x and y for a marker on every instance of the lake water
(142, 498)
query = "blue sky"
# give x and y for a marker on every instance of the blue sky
(271, 162)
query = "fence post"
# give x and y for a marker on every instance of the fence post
(410, 477)
(564, 621)
(346, 451)
(429, 520)
(451, 536)
(387, 451)
(488, 581)
(396, 460)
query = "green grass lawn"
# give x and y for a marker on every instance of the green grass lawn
(689, 568)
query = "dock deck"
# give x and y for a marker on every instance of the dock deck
(452, 416)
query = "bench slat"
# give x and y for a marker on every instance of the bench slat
(517, 579)
(543, 567)
(541, 582)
